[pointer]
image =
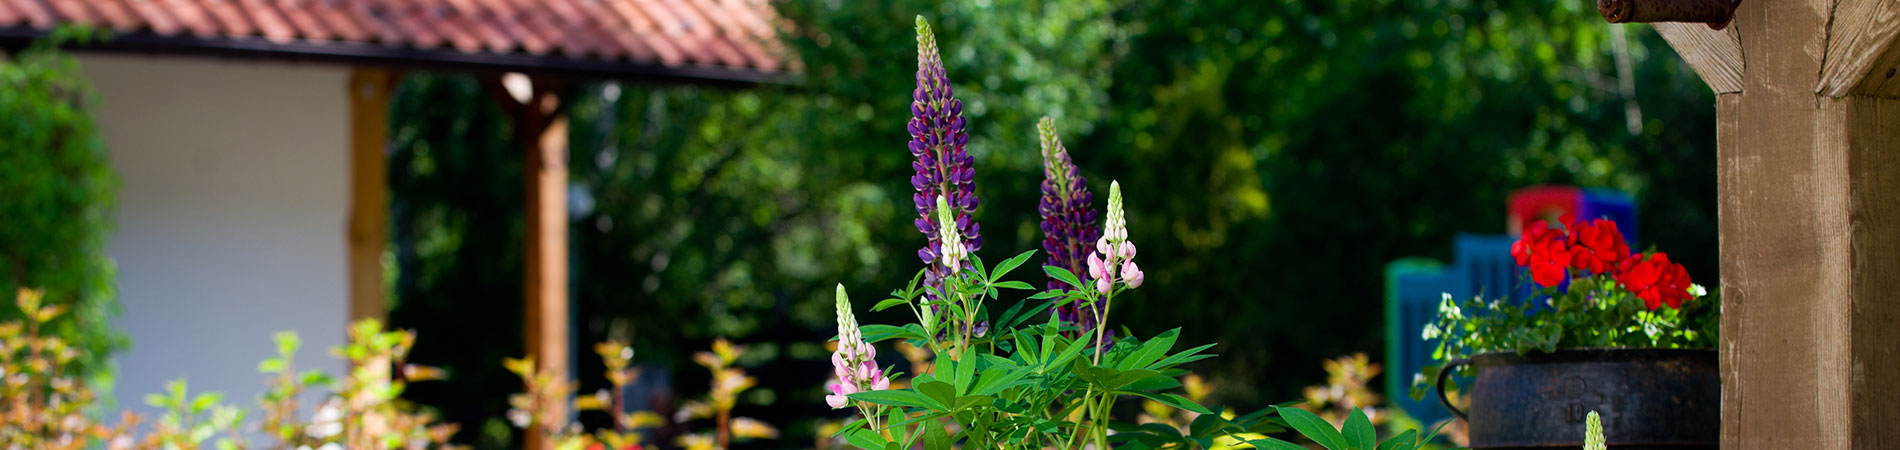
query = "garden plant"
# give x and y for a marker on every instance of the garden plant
(44, 405)
(1591, 292)
(1007, 379)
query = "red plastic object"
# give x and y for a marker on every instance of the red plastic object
(1542, 203)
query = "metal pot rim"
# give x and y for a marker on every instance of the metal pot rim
(1590, 354)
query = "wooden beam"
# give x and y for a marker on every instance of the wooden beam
(369, 91)
(543, 132)
(1716, 55)
(1809, 193)
(1861, 57)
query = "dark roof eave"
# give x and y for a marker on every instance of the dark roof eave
(356, 53)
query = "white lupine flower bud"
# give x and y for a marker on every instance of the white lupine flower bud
(951, 240)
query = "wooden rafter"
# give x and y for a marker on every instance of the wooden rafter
(1861, 57)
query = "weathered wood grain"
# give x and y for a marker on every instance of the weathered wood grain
(1871, 131)
(1861, 58)
(1716, 55)
(1810, 221)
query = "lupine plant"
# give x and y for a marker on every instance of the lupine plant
(1593, 432)
(944, 170)
(1068, 219)
(1007, 380)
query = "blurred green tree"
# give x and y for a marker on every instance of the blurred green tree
(60, 192)
(1318, 140)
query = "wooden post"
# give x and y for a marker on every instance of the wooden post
(369, 91)
(1810, 228)
(541, 128)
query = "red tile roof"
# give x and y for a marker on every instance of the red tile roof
(696, 36)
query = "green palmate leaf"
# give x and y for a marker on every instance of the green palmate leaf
(1153, 350)
(940, 391)
(1359, 432)
(1404, 441)
(998, 378)
(889, 303)
(1049, 337)
(1186, 356)
(1122, 379)
(1014, 285)
(1007, 265)
(1209, 424)
(966, 374)
(1011, 318)
(900, 397)
(880, 333)
(1062, 275)
(935, 438)
(1313, 427)
(1435, 430)
(1176, 401)
(1069, 353)
(1155, 383)
(1268, 443)
(867, 440)
(903, 433)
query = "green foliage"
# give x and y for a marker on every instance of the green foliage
(1305, 144)
(1576, 308)
(1291, 149)
(455, 231)
(59, 193)
(191, 420)
(1356, 434)
(1000, 380)
(1592, 313)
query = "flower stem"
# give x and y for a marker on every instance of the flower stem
(1101, 324)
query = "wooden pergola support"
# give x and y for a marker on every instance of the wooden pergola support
(1809, 174)
(370, 90)
(541, 130)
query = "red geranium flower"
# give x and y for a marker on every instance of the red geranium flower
(1544, 251)
(1598, 246)
(1548, 261)
(1655, 280)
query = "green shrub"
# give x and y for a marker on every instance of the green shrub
(57, 194)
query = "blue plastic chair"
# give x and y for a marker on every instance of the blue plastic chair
(1413, 288)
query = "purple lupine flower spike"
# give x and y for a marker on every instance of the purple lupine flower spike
(1068, 220)
(943, 167)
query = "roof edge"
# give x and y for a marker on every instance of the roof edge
(354, 53)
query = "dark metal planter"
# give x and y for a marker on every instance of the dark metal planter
(1648, 398)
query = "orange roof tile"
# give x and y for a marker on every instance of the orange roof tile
(734, 36)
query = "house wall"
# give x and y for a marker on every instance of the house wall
(232, 216)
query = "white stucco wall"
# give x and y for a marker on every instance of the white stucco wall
(231, 218)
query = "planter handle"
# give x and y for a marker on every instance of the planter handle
(1450, 366)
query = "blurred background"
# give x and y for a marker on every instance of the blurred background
(1275, 157)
